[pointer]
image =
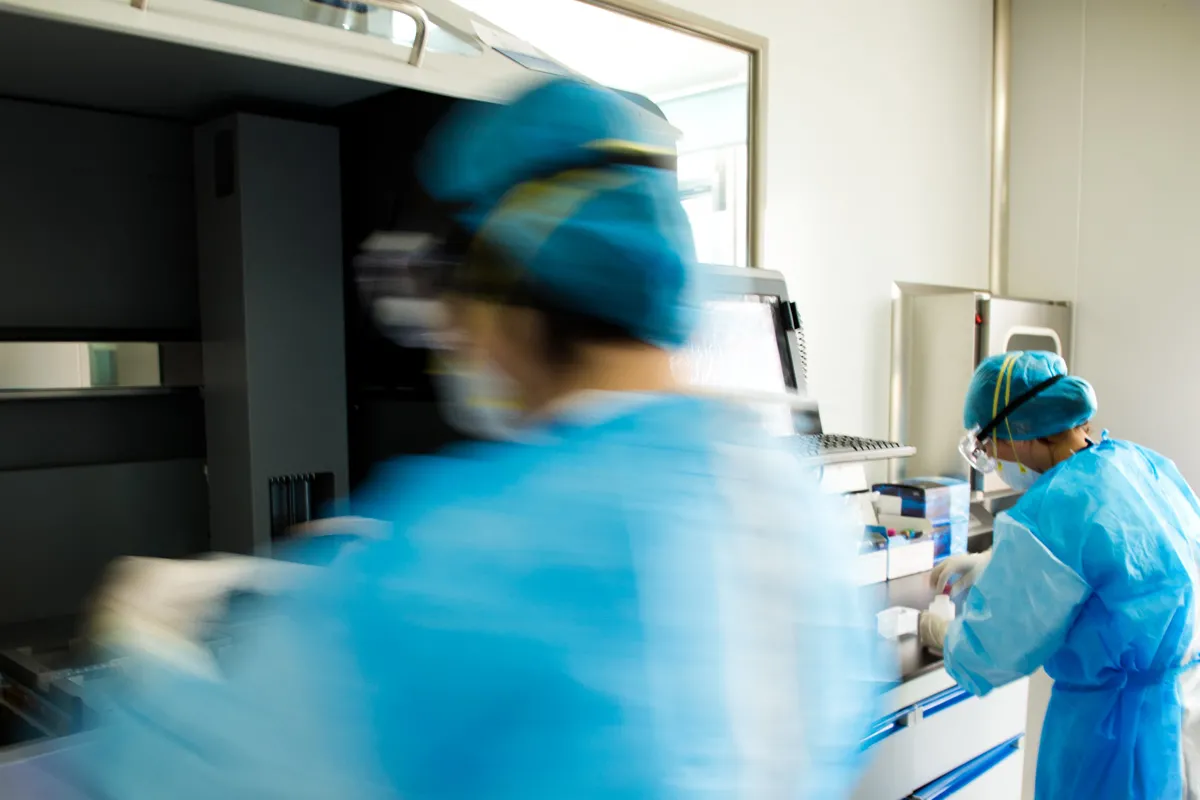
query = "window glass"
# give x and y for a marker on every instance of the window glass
(702, 86)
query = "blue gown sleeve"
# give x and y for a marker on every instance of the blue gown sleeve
(1016, 615)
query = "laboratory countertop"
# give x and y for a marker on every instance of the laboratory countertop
(913, 591)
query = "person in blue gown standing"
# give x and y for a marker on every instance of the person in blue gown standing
(629, 592)
(1093, 575)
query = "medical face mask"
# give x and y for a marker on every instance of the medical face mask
(478, 399)
(1018, 476)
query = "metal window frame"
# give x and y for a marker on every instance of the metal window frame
(666, 16)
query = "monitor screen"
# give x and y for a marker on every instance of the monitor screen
(739, 345)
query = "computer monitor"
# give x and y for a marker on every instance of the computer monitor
(749, 339)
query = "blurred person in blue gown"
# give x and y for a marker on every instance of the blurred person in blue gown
(625, 591)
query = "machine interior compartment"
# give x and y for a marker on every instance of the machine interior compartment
(98, 215)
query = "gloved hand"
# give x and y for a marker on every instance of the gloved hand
(967, 568)
(931, 629)
(161, 606)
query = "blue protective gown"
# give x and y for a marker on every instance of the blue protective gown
(1093, 575)
(646, 600)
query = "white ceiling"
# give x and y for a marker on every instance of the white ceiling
(616, 50)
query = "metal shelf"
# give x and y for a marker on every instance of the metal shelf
(27, 395)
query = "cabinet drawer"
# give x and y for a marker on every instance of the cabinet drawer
(995, 775)
(916, 745)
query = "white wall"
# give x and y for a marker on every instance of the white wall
(1104, 210)
(1105, 200)
(877, 170)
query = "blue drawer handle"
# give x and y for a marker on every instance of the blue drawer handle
(947, 698)
(959, 778)
(897, 721)
(885, 727)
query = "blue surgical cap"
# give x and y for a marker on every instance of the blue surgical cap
(537, 181)
(1066, 404)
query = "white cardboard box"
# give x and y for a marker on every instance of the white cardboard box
(908, 556)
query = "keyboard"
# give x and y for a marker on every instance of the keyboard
(836, 447)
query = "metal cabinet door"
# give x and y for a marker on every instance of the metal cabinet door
(1023, 325)
(1026, 325)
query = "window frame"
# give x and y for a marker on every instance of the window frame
(755, 46)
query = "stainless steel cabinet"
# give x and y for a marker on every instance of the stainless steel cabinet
(939, 336)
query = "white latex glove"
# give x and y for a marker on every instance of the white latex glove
(932, 631)
(966, 568)
(161, 606)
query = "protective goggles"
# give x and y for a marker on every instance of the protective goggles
(975, 446)
(401, 278)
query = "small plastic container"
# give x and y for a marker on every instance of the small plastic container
(897, 621)
(942, 606)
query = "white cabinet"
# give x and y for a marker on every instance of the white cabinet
(994, 775)
(938, 741)
(1001, 780)
(464, 56)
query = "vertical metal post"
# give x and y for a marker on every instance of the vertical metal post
(1001, 73)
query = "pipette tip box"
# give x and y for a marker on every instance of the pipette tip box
(949, 537)
(909, 555)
